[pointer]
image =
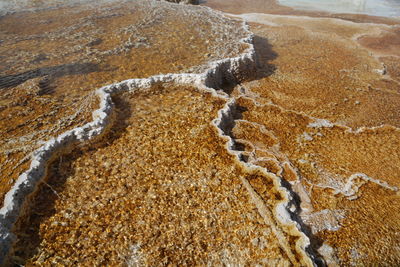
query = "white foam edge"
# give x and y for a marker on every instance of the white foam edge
(27, 182)
(282, 210)
(348, 190)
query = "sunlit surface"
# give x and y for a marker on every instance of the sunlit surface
(389, 8)
(161, 180)
(294, 140)
(331, 129)
(54, 59)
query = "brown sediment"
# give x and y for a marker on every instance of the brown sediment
(369, 233)
(324, 162)
(323, 116)
(333, 113)
(362, 18)
(387, 43)
(53, 59)
(248, 6)
(160, 188)
(333, 150)
(325, 74)
(248, 131)
(273, 7)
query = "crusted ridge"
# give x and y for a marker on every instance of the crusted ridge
(224, 122)
(214, 79)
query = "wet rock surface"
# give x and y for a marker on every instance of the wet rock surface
(304, 147)
(160, 188)
(326, 121)
(54, 59)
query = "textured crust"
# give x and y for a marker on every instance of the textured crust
(231, 70)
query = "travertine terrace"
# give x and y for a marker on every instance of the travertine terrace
(263, 191)
(54, 59)
(328, 123)
(147, 133)
(160, 187)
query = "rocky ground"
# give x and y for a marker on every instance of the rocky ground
(293, 144)
(54, 60)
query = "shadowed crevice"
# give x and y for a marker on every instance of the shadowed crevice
(264, 55)
(225, 78)
(42, 202)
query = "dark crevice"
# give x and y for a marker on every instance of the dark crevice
(228, 119)
(41, 205)
(223, 78)
(46, 86)
(227, 125)
(315, 242)
(264, 54)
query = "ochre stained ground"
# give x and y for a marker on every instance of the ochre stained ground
(160, 188)
(327, 120)
(54, 59)
(322, 113)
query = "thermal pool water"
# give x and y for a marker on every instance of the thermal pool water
(386, 8)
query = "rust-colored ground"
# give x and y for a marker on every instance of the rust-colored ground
(327, 121)
(160, 189)
(273, 7)
(54, 59)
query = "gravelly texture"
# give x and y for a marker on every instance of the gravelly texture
(54, 59)
(160, 189)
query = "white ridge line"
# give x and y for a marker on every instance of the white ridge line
(210, 80)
